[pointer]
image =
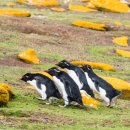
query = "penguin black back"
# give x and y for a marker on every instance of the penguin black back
(105, 89)
(51, 90)
(80, 76)
(66, 85)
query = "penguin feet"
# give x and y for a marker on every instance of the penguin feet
(40, 98)
(62, 106)
(75, 103)
(107, 104)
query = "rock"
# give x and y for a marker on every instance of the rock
(29, 56)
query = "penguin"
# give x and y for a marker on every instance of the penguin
(105, 90)
(66, 86)
(77, 75)
(44, 86)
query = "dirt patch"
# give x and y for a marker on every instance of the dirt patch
(36, 117)
(55, 29)
(46, 118)
(107, 123)
(126, 122)
(13, 61)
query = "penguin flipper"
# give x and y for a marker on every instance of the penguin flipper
(73, 92)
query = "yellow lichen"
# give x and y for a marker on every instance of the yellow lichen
(58, 9)
(14, 12)
(8, 88)
(122, 41)
(111, 5)
(123, 53)
(118, 23)
(95, 65)
(4, 96)
(90, 5)
(29, 56)
(80, 8)
(88, 100)
(85, 0)
(121, 85)
(95, 26)
(11, 4)
(40, 2)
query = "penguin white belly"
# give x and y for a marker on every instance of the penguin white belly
(60, 87)
(90, 83)
(42, 91)
(103, 95)
(74, 76)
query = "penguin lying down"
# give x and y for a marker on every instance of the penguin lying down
(44, 85)
(106, 90)
(66, 86)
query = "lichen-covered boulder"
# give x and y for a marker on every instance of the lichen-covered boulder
(121, 85)
(14, 12)
(111, 5)
(123, 53)
(94, 26)
(122, 41)
(29, 56)
(95, 65)
(80, 8)
(6, 94)
(9, 89)
(88, 100)
(40, 2)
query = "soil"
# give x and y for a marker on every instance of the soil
(13, 61)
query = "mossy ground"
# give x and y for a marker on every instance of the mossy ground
(55, 39)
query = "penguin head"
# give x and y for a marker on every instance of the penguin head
(64, 64)
(27, 77)
(53, 71)
(87, 68)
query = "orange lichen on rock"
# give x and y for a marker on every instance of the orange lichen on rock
(121, 85)
(9, 89)
(29, 56)
(111, 5)
(123, 53)
(122, 41)
(88, 100)
(40, 2)
(58, 9)
(14, 12)
(4, 96)
(85, 0)
(95, 26)
(6, 93)
(80, 8)
(118, 23)
(90, 5)
(95, 65)
(11, 4)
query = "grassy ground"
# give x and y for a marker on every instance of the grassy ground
(54, 39)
